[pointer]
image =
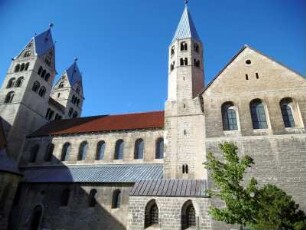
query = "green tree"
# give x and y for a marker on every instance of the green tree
(245, 203)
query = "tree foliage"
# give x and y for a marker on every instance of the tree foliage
(245, 203)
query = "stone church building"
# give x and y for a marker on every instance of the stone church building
(143, 170)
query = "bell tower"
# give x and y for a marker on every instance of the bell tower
(184, 118)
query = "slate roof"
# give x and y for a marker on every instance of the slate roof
(186, 28)
(171, 187)
(111, 173)
(43, 42)
(104, 123)
(74, 75)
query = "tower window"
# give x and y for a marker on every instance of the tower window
(83, 151)
(159, 148)
(27, 53)
(58, 95)
(186, 61)
(92, 198)
(172, 66)
(258, 114)
(116, 199)
(151, 214)
(139, 147)
(9, 97)
(286, 109)
(185, 169)
(229, 118)
(70, 112)
(196, 47)
(10, 83)
(19, 82)
(75, 114)
(35, 86)
(61, 85)
(119, 150)
(17, 68)
(40, 70)
(196, 63)
(43, 73)
(78, 90)
(172, 50)
(47, 77)
(246, 77)
(257, 76)
(183, 46)
(42, 91)
(100, 150)
(26, 66)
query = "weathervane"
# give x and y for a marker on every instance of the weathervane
(186, 2)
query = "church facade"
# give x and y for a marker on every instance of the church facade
(143, 170)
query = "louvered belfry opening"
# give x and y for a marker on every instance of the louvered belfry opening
(151, 214)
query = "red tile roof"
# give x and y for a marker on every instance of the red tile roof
(104, 123)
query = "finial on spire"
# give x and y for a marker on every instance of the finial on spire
(186, 2)
(51, 25)
(75, 59)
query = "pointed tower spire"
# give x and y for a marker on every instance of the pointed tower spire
(186, 28)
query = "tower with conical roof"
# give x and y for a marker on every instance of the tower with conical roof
(25, 90)
(68, 91)
(184, 118)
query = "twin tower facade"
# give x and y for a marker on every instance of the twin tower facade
(144, 170)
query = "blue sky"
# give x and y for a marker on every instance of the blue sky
(122, 45)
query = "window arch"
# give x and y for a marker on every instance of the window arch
(42, 91)
(26, 66)
(188, 215)
(61, 85)
(229, 117)
(119, 150)
(36, 217)
(159, 148)
(172, 50)
(43, 73)
(258, 114)
(47, 77)
(33, 153)
(11, 83)
(75, 114)
(92, 198)
(19, 82)
(287, 114)
(83, 151)
(27, 53)
(100, 150)
(185, 169)
(65, 197)
(17, 68)
(139, 148)
(22, 67)
(196, 47)
(49, 152)
(40, 70)
(183, 46)
(116, 199)
(66, 152)
(151, 214)
(70, 112)
(9, 97)
(35, 86)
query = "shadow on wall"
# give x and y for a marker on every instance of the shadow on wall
(50, 197)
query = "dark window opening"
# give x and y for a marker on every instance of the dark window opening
(258, 114)
(49, 152)
(185, 169)
(35, 86)
(159, 148)
(19, 82)
(100, 150)
(229, 118)
(257, 76)
(10, 83)
(196, 47)
(92, 198)
(119, 150)
(83, 151)
(246, 77)
(286, 109)
(116, 199)
(9, 97)
(248, 62)
(151, 214)
(188, 218)
(36, 218)
(183, 46)
(139, 148)
(66, 152)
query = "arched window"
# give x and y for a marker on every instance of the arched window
(42, 91)
(43, 73)
(172, 50)
(65, 197)
(27, 53)
(116, 199)
(26, 66)
(33, 153)
(61, 85)
(9, 97)
(196, 47)
(92, 198)
(159, 148)
(185, 169)
(100, 150)
(17, 68)
(186, 61)
(151, 214)
(138, 150)
(183, 46)
(78, 102)
(66, 152)
(22, 67)
(258, 114)
(181, 61)
(19, 82)
(40, 70)
(286, 108)
(75, 114)
(36, 218)
(47, 77)
(49, 152)
(229, 118)
(10, 83)
(35, 86)
(188, 215)
(70, 112)
(78, 90)
(83, 151)
(119, 150)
